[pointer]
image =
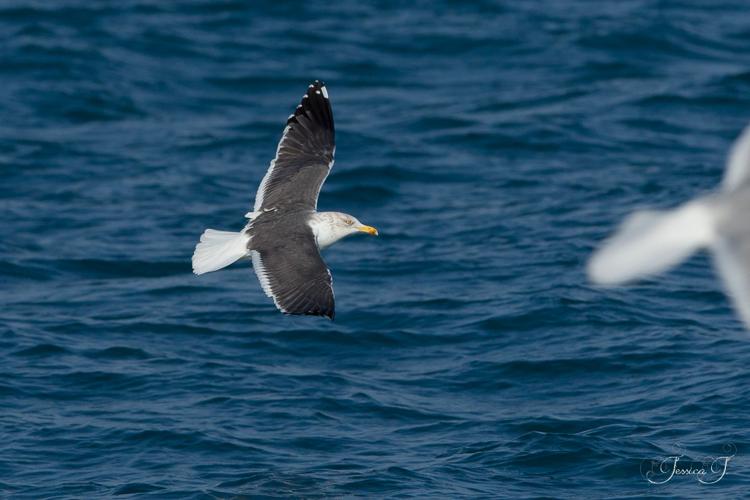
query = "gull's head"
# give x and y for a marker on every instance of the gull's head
(351, 224)
(329, 227)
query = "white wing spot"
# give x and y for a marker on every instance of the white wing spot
(317, 92)
(325, 92)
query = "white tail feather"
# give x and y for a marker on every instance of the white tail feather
(218, 249)
(650, 242)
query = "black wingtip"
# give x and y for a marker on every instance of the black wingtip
(315, 104)
(323, 312)
(317, 90)
(326, 312)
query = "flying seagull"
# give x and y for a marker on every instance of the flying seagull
(285, 232)
(649, 242)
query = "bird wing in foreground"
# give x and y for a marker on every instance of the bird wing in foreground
(292, 272)
(304, 156)
(732, 257)
(737, 171)
(731, 249)
(650, 242)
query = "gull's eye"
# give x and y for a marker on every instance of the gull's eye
(350, 221)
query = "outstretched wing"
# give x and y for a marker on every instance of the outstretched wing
(304, 156)
(292, 272)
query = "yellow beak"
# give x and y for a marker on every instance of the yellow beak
(368, 229)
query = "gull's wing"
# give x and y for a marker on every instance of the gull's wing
(292, 272)
(732, 256)
(731, 250)
(738, 163)
(304, 156)
(649, 242)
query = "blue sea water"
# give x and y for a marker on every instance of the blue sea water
(493, 144)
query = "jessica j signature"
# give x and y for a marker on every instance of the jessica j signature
(710, 470)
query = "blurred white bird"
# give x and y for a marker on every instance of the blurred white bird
(650, 242)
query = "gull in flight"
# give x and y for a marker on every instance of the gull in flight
(285, 232)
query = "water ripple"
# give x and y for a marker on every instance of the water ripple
(493, 146)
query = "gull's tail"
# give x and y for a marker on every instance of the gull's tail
(649, 242)
(218, 249)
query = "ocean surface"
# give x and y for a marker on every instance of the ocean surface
(493, 144)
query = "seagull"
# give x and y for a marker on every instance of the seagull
(285, 232)
(649, 242)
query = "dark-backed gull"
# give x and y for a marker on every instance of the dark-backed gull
(285, 233)
(649, 242)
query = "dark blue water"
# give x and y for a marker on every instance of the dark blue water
(493, 144)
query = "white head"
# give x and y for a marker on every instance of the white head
(329, 227)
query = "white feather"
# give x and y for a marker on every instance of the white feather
(330, 227)
(738, 163)
(650, 242)
(735, 275)
(218, 249)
